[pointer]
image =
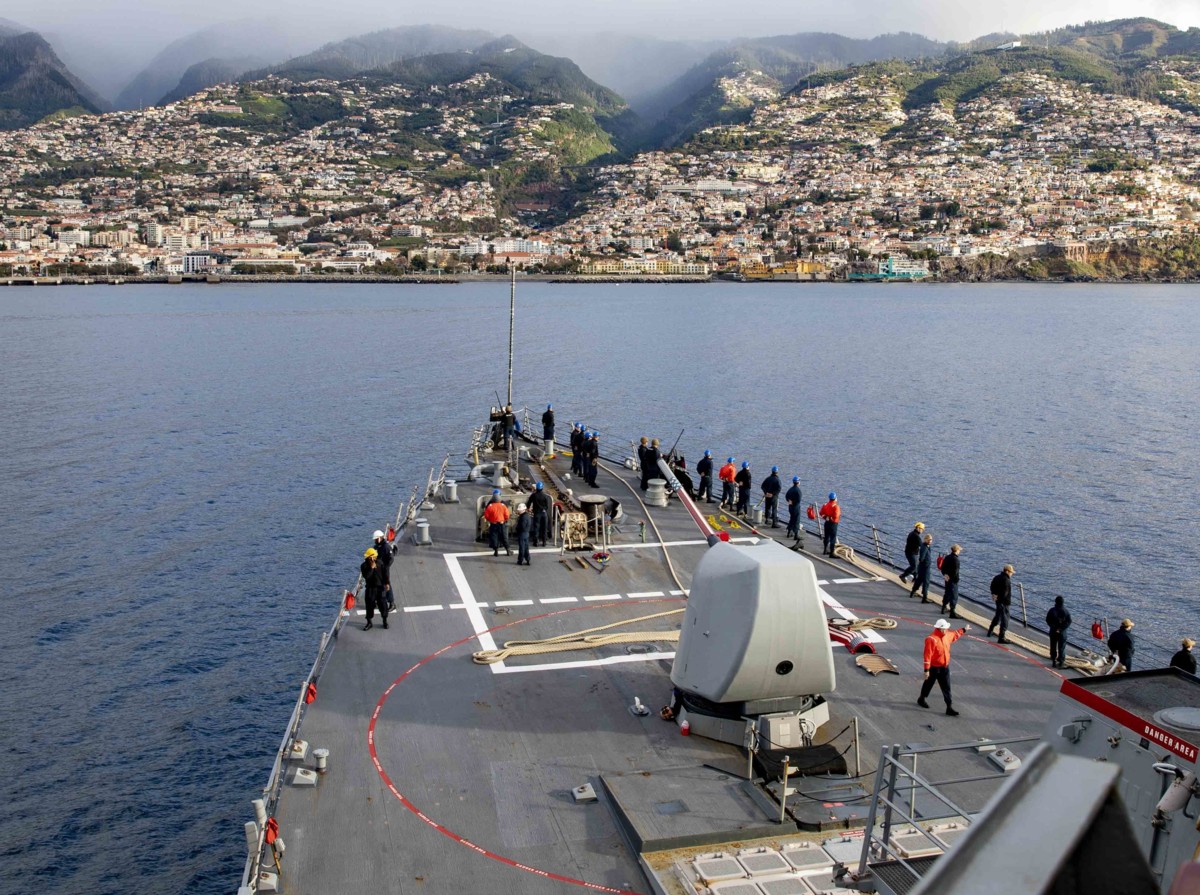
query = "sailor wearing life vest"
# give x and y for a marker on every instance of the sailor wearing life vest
(726, 475)
(496, 514)
(831, 512)
(937, 662)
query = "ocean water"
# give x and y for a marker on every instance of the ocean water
(189, 473)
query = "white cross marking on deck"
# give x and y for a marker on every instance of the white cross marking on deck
(488, 642)
(583, 663)
(842, 612)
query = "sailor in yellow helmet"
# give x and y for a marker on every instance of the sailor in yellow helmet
(912, 550)
(374, 583)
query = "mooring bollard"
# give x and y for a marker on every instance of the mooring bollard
(422, 538)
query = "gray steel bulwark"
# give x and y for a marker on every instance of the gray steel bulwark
(1059, 817)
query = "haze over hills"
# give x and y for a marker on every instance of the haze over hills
(346, 58)
(34, 82)
(259, 42)
(207, 73)
(726, 85)
(634, 65)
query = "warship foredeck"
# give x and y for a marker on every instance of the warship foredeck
(447, 776)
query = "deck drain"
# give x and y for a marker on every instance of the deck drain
(639, 648)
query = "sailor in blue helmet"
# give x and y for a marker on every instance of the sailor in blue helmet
(576, 453)
(548, 427)
(727, 475)
(540, 503)
(704, 469)
(585, 454)
(831, 514)
(744, 481)
(593, 458)
(770, 489)
(793, 504)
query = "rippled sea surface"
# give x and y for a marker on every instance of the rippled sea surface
(188, 473)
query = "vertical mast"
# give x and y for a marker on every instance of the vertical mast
(512, 318)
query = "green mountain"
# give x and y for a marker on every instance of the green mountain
(34, 82)
(534, 75)
(1123, 40)
(347, 58)
(728, 84)
(1125, 57)
(206, 74)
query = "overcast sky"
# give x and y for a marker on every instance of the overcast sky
(143, 21)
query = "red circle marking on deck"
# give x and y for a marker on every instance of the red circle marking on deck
(1000, 646)
(461, 840)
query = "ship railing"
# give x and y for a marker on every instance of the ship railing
(887, 550)
(266, 805)
(901, 786)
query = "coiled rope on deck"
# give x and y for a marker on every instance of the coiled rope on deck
(858, 624)
(589, 638)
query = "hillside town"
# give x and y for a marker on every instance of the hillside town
(826, 181)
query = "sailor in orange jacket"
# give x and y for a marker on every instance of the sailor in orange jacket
(831, 512)
(937, 662)
(496, 513)
(726, 475)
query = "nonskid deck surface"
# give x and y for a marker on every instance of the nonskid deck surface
(447, 776)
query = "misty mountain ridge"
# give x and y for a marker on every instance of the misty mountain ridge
(696, 99)
(261, 42)
(535, 74)
(1121, 57)
(346, 58)
(34, 82)
(207, 74)
(634, 65)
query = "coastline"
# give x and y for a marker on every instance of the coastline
(458, 279)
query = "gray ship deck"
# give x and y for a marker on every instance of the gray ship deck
(451, 777)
